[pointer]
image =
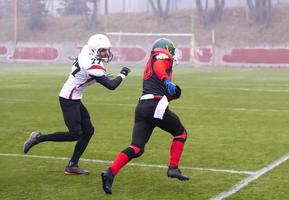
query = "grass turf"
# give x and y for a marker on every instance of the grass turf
(235, 118)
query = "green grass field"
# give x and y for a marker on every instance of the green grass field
(237, 119)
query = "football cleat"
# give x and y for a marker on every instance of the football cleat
(175, 172)
(31, 141)
(107, 180)
(75, 170)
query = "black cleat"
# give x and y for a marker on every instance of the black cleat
(75, 170)
(31, 141)
(107, 179)
(176, 173)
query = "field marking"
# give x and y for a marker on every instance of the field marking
(243, 183)
(9, 101)
(130, 164)
(240, 89)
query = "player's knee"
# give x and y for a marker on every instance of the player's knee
(75, 134)
(138, 151)
(133, 151)
(90, 131)
(182, 136)
(88, 128)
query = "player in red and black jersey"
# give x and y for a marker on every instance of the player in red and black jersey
(152, 111)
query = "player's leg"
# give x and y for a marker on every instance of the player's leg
(172, 124)
(72, 118)
(80, 146)
(141, 134)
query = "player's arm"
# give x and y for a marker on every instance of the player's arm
(107, 82)
(160, 66)
(112, 83)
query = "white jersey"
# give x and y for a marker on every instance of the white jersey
(84, 66)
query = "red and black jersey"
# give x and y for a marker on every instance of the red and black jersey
(158, 67)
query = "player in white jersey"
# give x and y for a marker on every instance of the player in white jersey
(87, 69)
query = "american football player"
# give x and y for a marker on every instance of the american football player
(153, 111)
(87, 69)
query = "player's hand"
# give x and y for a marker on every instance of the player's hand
(178, 92)
(170, 87)
(125, 71)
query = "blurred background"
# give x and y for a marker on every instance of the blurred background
(208, 32)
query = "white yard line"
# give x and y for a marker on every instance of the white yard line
(239, 89)
(250, 179)
(9, 101)
(130, 164)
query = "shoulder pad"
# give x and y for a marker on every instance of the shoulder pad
(97, 72)
(161, 56)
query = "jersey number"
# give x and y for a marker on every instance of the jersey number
(77, 68)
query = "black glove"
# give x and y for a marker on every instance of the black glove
(178, 92)
(125, 71)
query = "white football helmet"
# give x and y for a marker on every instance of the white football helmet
(99, 47)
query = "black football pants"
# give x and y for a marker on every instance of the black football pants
(77, 120)
(145, 123)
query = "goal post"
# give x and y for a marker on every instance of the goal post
(145, 40)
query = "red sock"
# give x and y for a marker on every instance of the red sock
(120, 161)
(176, 153)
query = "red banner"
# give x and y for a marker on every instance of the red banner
(3, 50)
(258, 56)
(35, 53)
(66, 53)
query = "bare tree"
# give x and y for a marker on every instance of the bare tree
(73, 7)
(92, 14)
(174, 4)
(218, 10)
(206, 15)
(88, 9)
(5, 8)
(259, 11)
(201, 12)
(106, 7)
(158, 8)
(37, 14)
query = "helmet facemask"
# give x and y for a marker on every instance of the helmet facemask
(170, 48)
(104, 54)
(177, 56)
